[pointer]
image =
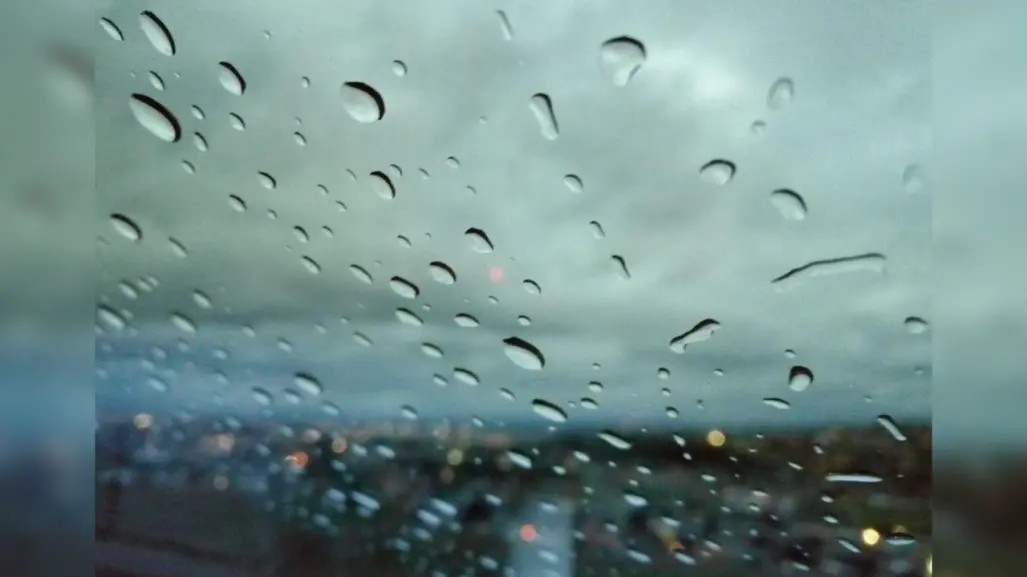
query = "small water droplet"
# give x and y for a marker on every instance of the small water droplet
(915, 325)
(361, 273)
(236, 121)
(620, 58)
(188, 167)
(155, 80)
(573, 183)
(466, 377)
(480, 242)
(157, 384)
(301, 234)
(110, 318)
(404, 288)
(157, 33)
(362, 339)
(663, 373)
(504, 25)
(776, 403)
(197, 112)
(183, 323)
(717, 172)
(524, 354)
(614, 440)
(230, 78)
(781, 93)
(507, 394)
(382, 185)
(912, 179)
(267, 181)
(237, 202)
(621, 266)
(311, 265)
(524, 321)
(199, 142)
(202, 300)
(399, 68)
(893, 429)
(702, 331)
(671, 412)
(362, 102)
(262, 396)
(589, 404)
(542, 108)
(799, 378)
(870, 262)
(549, 411)
(852, 478)
(299, 139)
(126, 227)
(789, 204)
(465, 320)
(757, 128)
(789, 353)
(408, 317)
(155, 118)
(111, 29)
(178, 248)
(308, 384)
(595, 387)
(597, 229)
(442, 273)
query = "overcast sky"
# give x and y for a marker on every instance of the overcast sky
(851, 141)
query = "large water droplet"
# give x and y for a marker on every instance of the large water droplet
(183, 323)
(620, 58)
(614, 440)
(870, 262)
(236, 121)
(111, 29)
(237, 202)
(504, 25)
(126, 227)
(542, 108)
(531, 287)
(362, 102)
(404, 288)
(231, 79)
(465, 320)
(789, 204)
(154, 117)
(781, 93)
(799, 378)
(777, 403)
(573, 183)
(409, 317)
(442, 273)
(480, 242)
(915, 325)
(466, 377)
(308, 384)
(702, 331)
(717, 172)
(381, 184)
(399, 68)
(549, 411)
(157, 33)
(361, 273)
(524, 354)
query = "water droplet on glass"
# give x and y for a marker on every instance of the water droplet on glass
(381, 184)
(453, 162)
(621, 266)
(614, 440)
(157, 384)
(504, 25)
(111, 29)
(202, 300)
(189, 167)
(480, 242)
(573, 183)
(362, 102)
(399, 68)
(542, 109)
(465, 320)
(408, 317)
(549, 411)
(893, 429)
(267, 181)
(230, 78)
(597, 229)
(178, 248)
(155, 118)
(757, 128)
(590, 404)
(237, 202)
(308, 384)
(915, 325)
(781, 93)
(404, 288)
(331, 409)
(157, 33)
(311, 265)
(777, 403)
(466, 377)
(702, 331)
(912, 179)
(299, 139)
(717, 172)
(155, 80)
(236, 121)
(672, 412)
(126, 227)
(361, 273)
(663, 373)
(197, 112)
(199, 142)
(799, 378)
(852, 478)
(362, 339)
(183, 323)
(620, 58)
(524, 321)
(870, 262)
(789, 204)
(431, 350)
(442, 273)
(524, 354)
(262, 396)
(110, 318)
(595, 387)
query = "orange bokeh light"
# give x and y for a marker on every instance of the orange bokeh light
(528, 533)
(299, 459)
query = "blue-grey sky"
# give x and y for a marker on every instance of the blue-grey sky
(852, 140)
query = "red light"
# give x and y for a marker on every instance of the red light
(528, 533)
(496, 274)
